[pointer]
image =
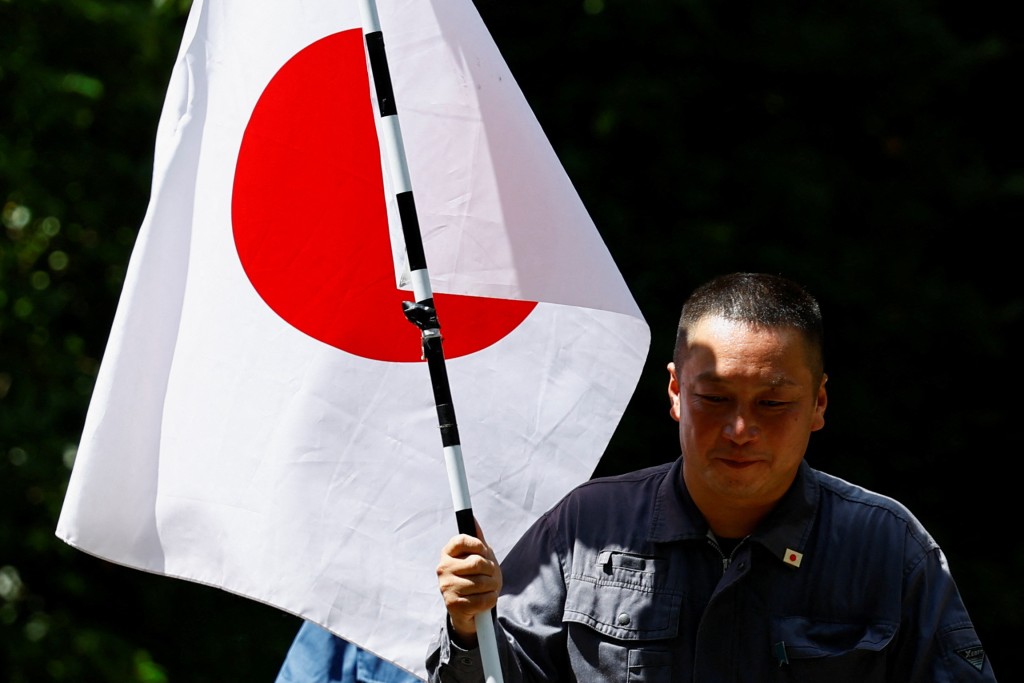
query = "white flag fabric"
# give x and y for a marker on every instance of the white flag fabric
(262, 421)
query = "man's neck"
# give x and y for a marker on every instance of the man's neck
(732, 523)
(725, 518)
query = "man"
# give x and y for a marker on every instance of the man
(735, 562)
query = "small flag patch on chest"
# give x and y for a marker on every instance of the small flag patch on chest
(792, 557)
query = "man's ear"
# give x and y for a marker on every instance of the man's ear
(673, 393)
(819, 407)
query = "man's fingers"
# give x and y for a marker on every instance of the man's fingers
(467, 596)
(467, 574)
(469, 564)
(463, 545)
(469, 577)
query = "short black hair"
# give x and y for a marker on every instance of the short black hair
(759, 299)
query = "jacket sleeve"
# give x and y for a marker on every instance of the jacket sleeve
(448, 662)
(937, 642)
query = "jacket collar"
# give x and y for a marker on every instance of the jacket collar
(785, 530)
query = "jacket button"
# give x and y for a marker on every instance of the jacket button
(623, 619)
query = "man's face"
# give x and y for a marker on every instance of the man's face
(746, 401)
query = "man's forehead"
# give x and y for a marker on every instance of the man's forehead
(713, 332)
(721, 350)
(715, 323)
(772, 378)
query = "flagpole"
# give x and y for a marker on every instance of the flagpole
(422, 313)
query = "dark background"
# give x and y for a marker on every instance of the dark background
(869, 149)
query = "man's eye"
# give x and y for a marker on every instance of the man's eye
(774, 404)
(712, 398)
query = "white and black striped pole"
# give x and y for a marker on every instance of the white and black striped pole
(422, 313)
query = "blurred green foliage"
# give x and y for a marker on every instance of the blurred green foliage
(869, 149)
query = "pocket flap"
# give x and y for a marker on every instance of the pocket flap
(808, 638)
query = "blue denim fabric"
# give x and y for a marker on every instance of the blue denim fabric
(318, 656)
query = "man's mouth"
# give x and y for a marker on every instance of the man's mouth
(739, 463)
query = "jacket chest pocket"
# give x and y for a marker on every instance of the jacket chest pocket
(623, 596)
(830, 650)
(626, 608)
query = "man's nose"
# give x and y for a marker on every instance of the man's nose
(741, 427)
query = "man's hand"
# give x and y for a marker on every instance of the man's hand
(470, 579)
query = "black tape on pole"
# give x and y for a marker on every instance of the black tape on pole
(381, 73)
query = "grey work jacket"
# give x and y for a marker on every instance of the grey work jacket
(621, 581)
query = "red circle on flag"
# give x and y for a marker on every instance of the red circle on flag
(310, 222)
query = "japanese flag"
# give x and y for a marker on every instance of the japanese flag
(262, 420)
